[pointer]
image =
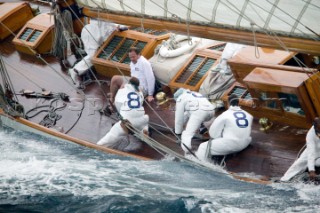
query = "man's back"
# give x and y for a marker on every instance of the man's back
(234, 124)
(127, 98)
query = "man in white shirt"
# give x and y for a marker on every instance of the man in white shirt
(140, 68)
(230, 132)
(310, 157)
(128, 101)
(191, 107)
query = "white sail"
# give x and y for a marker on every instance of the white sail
(294, 18)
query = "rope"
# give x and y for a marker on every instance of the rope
(79, 116)
(300, 16)
(165, 14)
(256, 49)
(244, 7)
(278, 17)
(165, 8)
(6, 78)
(278, 40)
(166, 151)
(62, 36)
(151, 125)
(35, 108)
(274, 37)
(59, 74)
(274, 6)
(91, 71)
(123, 74)
(188, 22)
(214, 11)
(317, 7)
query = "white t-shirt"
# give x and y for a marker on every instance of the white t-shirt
(143, 71)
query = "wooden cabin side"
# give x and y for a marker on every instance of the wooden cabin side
(113, 53)
(36, 36)
(258, 91)
(13, 16)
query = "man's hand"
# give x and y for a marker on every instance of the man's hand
(312, 175)
(150, 98)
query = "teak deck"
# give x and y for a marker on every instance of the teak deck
(270, 154)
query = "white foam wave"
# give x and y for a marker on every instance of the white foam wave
(31, 166)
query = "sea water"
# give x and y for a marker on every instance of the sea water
(38, 174)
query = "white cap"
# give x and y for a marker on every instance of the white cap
(179, 92)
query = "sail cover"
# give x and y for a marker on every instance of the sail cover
(293, 18)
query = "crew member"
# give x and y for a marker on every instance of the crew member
(310, 157)
(92, 36)
(140, 68)
(128, 101)
(230, 132)
(191, 107)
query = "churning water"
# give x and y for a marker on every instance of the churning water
(38, 174)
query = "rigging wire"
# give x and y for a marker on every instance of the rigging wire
(25, 76)
(117, 67)
(6, 78)
(52, 68)
(274, 37)
(91, 71)
(278, 40)
(298, 21)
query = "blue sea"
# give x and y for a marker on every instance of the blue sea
(39, 174)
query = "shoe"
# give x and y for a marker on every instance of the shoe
(203, 129)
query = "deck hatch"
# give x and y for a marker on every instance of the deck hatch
(201, 72)
(26, 33)
(35, 35)
(196, 62)
(112, 56)
(195, 70)
(123, 50)
(107, 51)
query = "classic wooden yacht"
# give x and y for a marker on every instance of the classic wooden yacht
(276, 74)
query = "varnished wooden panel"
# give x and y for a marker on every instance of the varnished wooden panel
(43, 44)
(108, 67)
(13, 16)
